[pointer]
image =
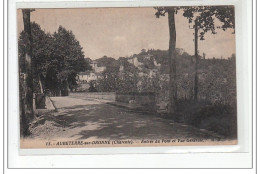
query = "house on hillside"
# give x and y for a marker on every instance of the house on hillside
(134, 61)
(156, 64)
(87, 76)
(96, 67)
(148, 56)
(121, 68)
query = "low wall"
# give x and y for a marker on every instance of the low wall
(111, 96)
(125, 98)
(143, 99)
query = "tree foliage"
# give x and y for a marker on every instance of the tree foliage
(206, 17)
(57, 58)
(70, 55)
(162, 11)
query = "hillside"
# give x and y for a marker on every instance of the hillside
(151, 68)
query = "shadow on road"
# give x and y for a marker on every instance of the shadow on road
(109, 122)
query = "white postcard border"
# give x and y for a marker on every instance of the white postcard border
(244, 88)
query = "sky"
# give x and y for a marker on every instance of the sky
(120, 32)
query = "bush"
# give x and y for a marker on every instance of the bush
(219, 118)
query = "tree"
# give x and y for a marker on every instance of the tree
(161, 11)
(41, 55)
(57, 59)
(26, 101)
(203, 18)
(106, 61)
(108, 80)
(70, 56)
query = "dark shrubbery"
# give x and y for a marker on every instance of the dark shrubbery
(219, 118)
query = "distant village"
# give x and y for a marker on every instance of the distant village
(98, 69)
(94, 74)
(149, 71)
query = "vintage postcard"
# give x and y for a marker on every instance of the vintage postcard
(127, 77)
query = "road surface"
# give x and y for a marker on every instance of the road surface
(82, 118)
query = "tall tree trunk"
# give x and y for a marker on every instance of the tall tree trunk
(65, 85)
(23, 119)
(27, 111)
(66, 88)
(172, 62)
(196, 61)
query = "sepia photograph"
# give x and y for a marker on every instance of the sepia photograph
(127, 77)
